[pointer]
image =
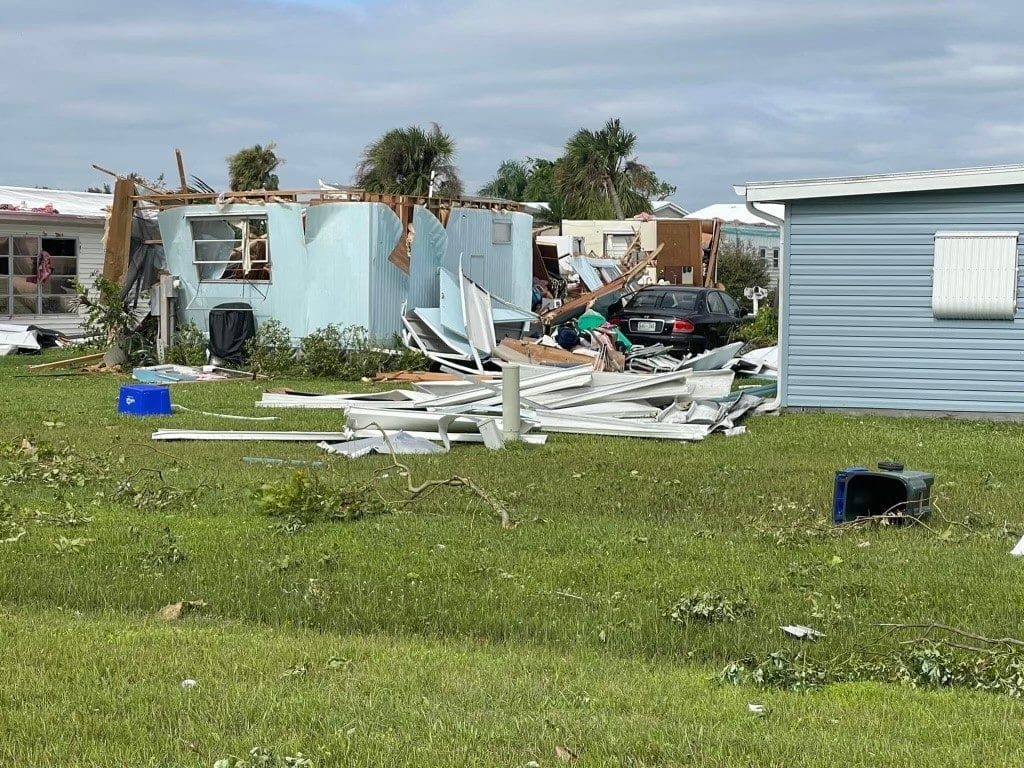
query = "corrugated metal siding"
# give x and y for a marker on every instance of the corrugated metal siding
(429, 244)
(389, 286)
(503, 269)
(858, 329)
(90, 262)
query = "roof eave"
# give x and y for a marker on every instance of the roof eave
(803, 189)
(55, 218)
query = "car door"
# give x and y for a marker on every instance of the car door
(719, 320)
(735, 314)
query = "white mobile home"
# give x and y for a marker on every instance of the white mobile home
(48, 238)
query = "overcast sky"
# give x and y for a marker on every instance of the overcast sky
(718, 91)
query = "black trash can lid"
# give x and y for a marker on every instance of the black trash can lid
(890, 466)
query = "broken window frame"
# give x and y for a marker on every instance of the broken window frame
(245, 262)
(45, 293)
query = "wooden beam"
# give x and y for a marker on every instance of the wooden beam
(181, 170)
(117, 249)
(70, 361)
(716, 241)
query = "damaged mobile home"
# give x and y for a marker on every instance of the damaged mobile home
(451, 277)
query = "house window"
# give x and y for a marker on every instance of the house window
(37, 275)
(231, 248)
(974, 276)
(775, 258)
(501, 232)
(762, 254)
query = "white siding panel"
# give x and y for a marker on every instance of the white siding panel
(975, 276)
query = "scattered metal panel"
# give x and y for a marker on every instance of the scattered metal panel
(397, 443)
(456, 437)
(244, 435)
(432, 319)
(587, 272)
(625, 389)
(414, 421)
(555, 421)
(713, 359)
(477, 312)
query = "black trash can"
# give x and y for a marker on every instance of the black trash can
(231, 325)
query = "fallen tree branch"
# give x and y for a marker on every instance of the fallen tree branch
(928, 628)
(417, 492)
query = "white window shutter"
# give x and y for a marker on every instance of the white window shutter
(974, 276)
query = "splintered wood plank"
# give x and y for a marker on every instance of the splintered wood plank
(117, 248)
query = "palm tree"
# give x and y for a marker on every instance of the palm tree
(253, 168)
(598, 175)
(510, 181)
(410, 161)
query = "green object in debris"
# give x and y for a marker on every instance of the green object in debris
(590, 320)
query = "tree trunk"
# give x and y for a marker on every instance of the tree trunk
(613, 194)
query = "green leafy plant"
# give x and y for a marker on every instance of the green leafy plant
(57, 468)
(111, 323)
(763, 330)
(304, 498)
(166, 551)
(710, 607)
(189, 347)
(271, 352)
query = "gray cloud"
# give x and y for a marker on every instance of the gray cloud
(718, 93)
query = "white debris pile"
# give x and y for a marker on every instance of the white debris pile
(684, 405)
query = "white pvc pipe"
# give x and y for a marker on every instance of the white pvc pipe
(510, 408)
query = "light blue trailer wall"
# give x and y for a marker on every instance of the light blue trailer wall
(335, 269)
(858, 330)
(349, 279)
(274, 299)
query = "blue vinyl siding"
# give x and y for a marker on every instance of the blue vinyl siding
(857, 329)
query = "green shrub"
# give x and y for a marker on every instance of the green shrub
(763, 330)
(322, 353)
(189, 347)
(352, 353)
(270, 351)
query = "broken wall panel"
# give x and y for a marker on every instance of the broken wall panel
(429, 246)
(495, 249)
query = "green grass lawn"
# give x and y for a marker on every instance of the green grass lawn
(459, 642)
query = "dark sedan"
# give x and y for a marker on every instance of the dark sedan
(689, 319)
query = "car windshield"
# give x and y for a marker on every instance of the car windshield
(680, 300)
(645, 299)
